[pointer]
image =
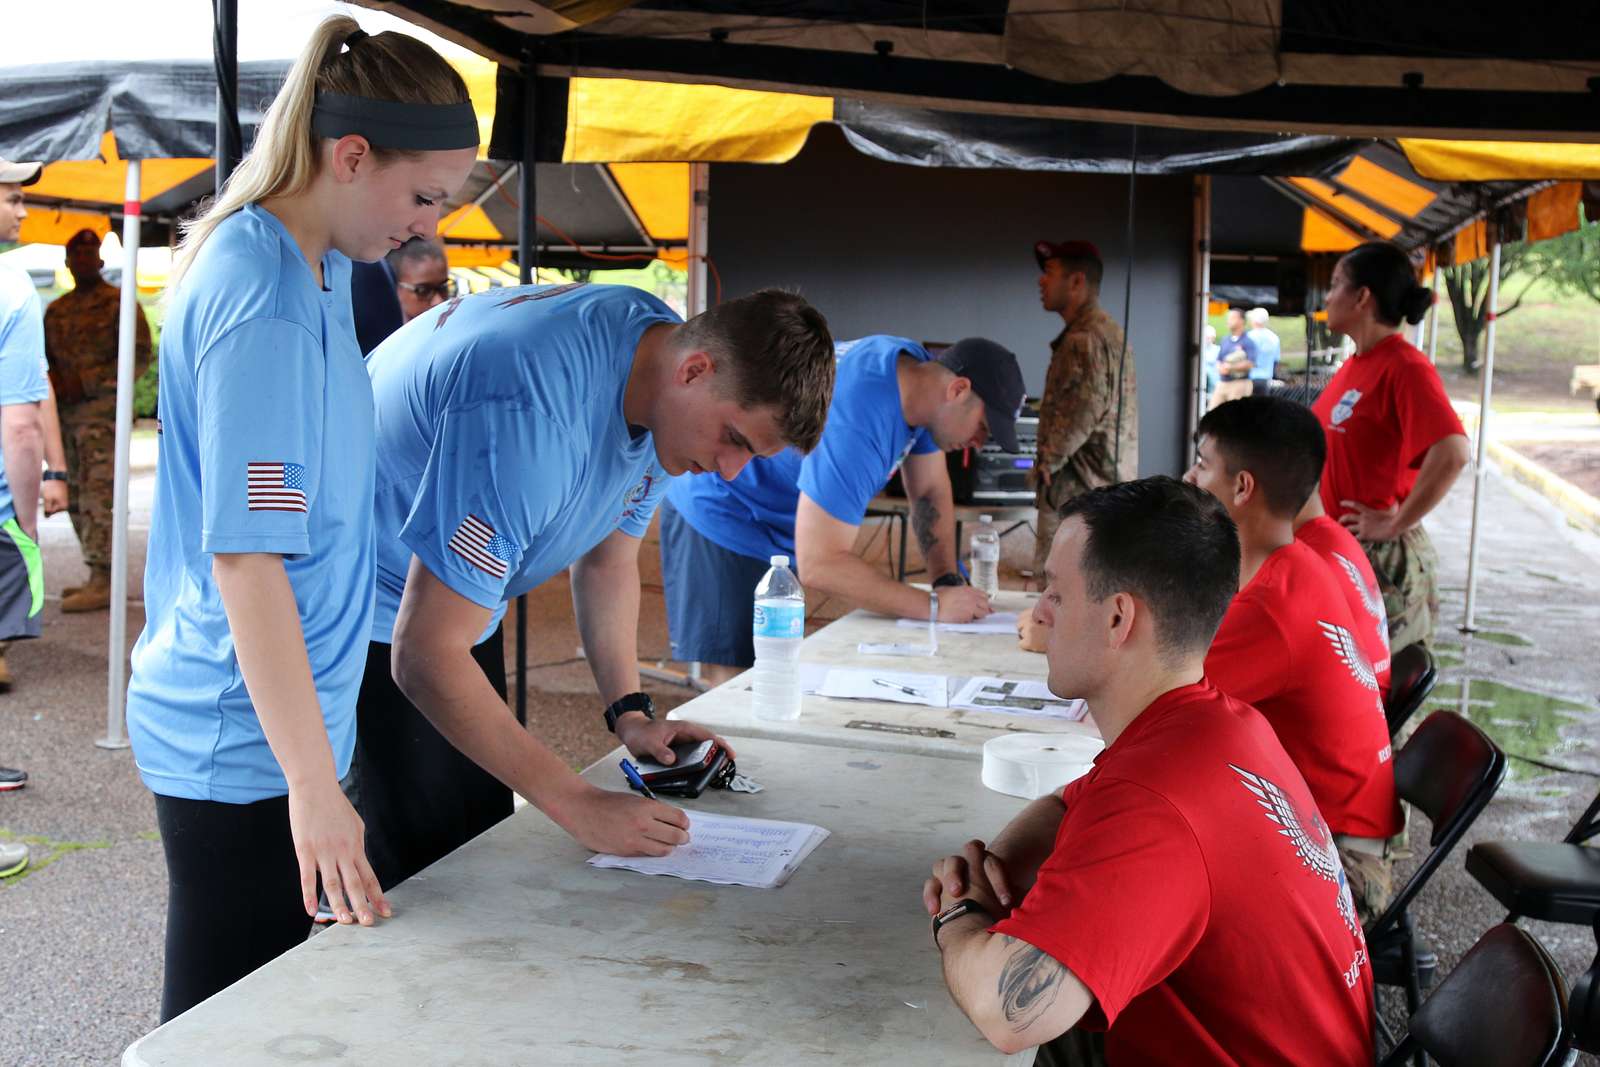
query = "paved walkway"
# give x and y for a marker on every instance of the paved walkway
(82, 932)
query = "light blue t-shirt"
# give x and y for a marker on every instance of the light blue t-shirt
(864, 440)
(266, 446)
(22, 367)
(1268, 349)
(503, 452)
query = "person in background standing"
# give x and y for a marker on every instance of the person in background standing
(1395, 445)
(1268, 350)
(28, 438)
(81, 333)
(1236, 356)
(1089, 414)
(421, 276)
(1209, 352)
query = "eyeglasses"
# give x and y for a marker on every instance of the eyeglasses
(427, 290)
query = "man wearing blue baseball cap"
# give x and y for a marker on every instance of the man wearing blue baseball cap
(1089, 413)
(894, 405)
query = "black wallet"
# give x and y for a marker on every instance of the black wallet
(701, 765)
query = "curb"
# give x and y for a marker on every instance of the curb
(1581, 509)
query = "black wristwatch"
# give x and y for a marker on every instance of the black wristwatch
(953, 578)
(956, 911)
(53, 476)
(631, 702)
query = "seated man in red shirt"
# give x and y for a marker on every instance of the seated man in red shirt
(1339, 546)
(1184, 898)
(1288, 644)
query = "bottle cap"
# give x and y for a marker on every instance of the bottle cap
(779, 561)
(985, 518)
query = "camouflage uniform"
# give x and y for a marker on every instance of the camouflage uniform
(1408, 575)
(1078, 418)
(81, 328)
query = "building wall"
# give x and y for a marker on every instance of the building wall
(942, 254)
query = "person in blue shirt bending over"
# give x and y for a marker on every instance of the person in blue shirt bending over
(894, 406)
(258, 584)
(523, 431)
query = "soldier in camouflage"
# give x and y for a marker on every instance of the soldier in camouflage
(81, 329)
(1089, 415)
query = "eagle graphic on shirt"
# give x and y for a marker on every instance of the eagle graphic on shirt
(1350, 654)
(1371, 599)
(1310, 836)
(1346, 406)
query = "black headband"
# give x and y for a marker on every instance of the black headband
(387, 124)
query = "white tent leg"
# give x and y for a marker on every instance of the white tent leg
(1433, 317)
(1478, 465)
(699, 236)
(1200, 296)
(117, 658)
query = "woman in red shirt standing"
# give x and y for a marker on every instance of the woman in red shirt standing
(1395, 445)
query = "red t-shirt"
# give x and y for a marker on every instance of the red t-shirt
(1288, 647)
(1355, 576)
(1198, 895)
(1381, 412)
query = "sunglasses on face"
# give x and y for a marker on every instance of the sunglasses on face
(428, 290)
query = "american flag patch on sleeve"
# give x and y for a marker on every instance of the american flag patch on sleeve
(275, 487)
(476, 542)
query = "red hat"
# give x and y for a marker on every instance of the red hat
(1044, 251)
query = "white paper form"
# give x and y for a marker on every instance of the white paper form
(1000, 622)
(1013, 697)
(728, 850)
(899, 687)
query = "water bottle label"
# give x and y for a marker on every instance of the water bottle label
(986, 553)
(780, 620)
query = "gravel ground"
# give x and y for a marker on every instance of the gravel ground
(83, 929)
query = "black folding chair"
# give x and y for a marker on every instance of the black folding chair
(1412, 674)
(1449, 770)
(1555, 881)
(1504, 1005)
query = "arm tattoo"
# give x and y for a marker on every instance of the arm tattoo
(924, 516)
(1028, 984)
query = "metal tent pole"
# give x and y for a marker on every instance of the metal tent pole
(527, 273)
(1200, 294)
(1478, 465)
(117, 658)
(699, 235)
(225, 56)
(1433, 315)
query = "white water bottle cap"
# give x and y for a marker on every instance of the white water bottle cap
(985, 518)
(779, 561)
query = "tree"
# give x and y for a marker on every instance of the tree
(1468, 287)
(1571, 262)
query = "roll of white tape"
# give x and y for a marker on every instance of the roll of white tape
(1033, 765)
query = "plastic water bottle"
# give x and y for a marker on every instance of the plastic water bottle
(985, 563)
(780, 626)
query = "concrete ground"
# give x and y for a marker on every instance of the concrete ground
(81, 932)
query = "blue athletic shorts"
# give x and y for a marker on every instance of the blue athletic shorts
(710, 594)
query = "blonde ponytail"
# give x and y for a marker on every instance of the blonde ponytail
(284, 160)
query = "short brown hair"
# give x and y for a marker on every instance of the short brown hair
(781, 355)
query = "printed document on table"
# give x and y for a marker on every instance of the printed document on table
(1013, 697)
(728, 850)
(899, 687)
(1001, 622)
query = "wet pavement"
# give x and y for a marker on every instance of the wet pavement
(82, 930)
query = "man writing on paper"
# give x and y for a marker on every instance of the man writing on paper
(1182, 903)
(520, 432)
(894, 405)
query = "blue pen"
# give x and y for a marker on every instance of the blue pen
(631, 773)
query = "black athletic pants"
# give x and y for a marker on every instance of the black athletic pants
(420, 798)
(233, 897)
